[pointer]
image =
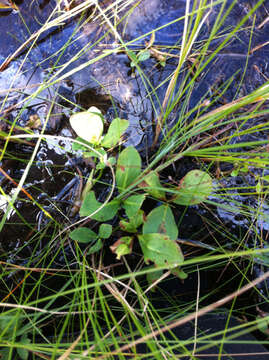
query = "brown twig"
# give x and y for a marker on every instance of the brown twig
(258, 47)
(263, 23)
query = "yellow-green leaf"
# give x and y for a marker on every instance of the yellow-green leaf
(152, 185)
(132, 204)
(88, 124)
(115, 131)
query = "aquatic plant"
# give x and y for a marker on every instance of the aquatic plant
(79, 284)
(160, 232)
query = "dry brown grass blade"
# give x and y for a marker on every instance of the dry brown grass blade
(74, 344)
(263, 22)
(258, 47)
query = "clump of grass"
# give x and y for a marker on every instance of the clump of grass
(89, 308)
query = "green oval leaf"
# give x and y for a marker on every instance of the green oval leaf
(195, 187)
(95, 247)
(90, 205)
(152, 185)
(161, 250)
(180, 273)
(128, 167)
(23, 352)
(263, 324)
(134, 222)
(115, 131)
(143, 55)
(105, 231)
(161, 220)
(83, 235)
(132, 204)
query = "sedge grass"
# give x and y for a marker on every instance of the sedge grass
(92, 312)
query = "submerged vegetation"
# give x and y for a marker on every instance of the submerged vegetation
(157, 214)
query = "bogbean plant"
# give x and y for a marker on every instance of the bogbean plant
(156, 231)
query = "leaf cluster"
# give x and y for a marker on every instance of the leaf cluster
(157, 231)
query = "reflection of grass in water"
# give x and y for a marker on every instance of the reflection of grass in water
(90, 311)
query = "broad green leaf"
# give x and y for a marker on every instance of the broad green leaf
(134, 222)
(153, 186)
(133, 57)
(115, 131)
(105, 231)
(194, 188)
(161, 250)
(132, 204)
(111, 160)
(235, 172)
(128, 167)
(141, 56)
(128, 226)
(90, 205)
(9, 324)
(161, 220)
(123, 246)
(83, 235)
